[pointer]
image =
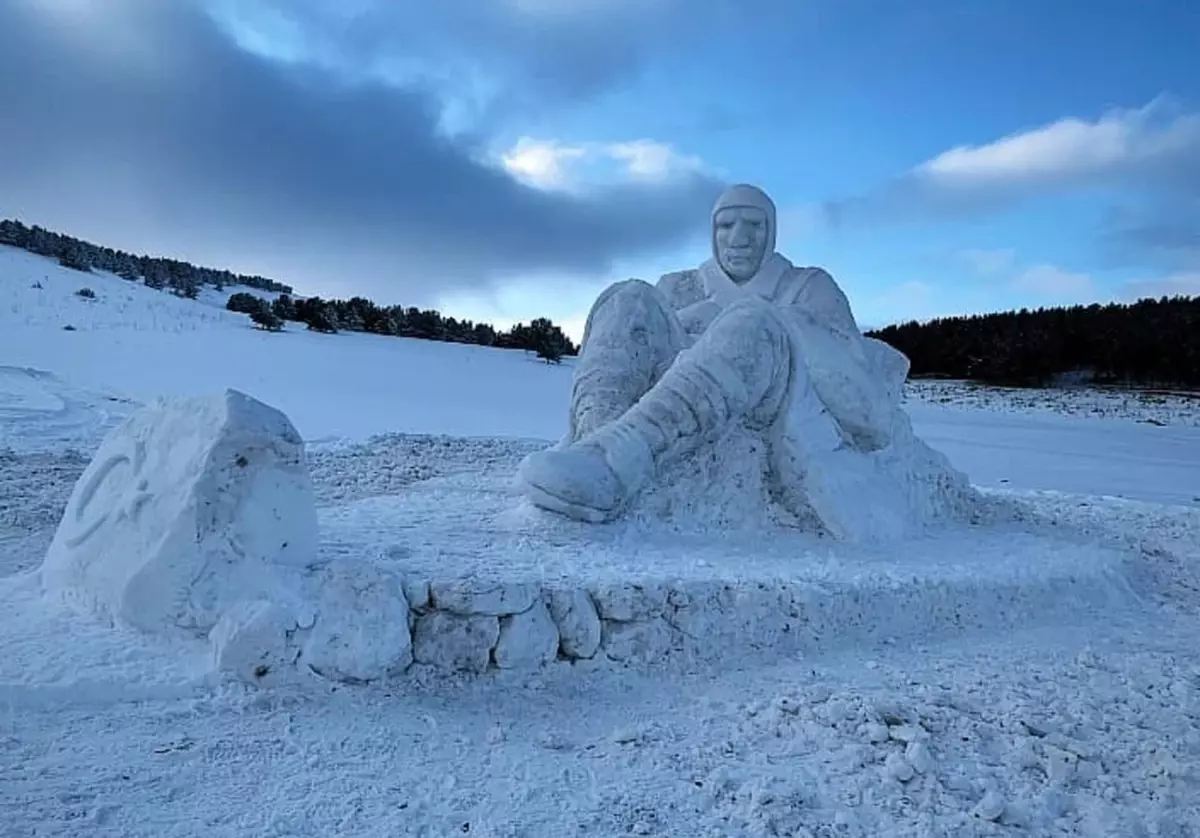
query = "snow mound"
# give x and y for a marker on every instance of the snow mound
(186, 508)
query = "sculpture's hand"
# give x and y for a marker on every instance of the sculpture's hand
(698, 316)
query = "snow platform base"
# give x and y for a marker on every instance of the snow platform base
(491, 582)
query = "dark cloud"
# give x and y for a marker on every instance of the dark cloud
(531, 50)
(143, 122)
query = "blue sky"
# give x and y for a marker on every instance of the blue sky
(505, 159)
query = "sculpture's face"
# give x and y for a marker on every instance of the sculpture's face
(740, 241)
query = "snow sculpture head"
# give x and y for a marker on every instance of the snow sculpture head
(743, 231)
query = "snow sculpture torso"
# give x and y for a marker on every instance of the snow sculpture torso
(749, 341)
(861, 380)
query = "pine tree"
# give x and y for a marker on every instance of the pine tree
(284, 308)
(321, 320)
(265, 319)
(73, 256)
(244, 303)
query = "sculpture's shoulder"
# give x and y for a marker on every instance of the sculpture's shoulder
(809, 285)
(814, 291)
(682, 288)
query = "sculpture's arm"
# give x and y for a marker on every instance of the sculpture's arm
(685, 294)
(821, 296)
(892, 364)
(835, 353)
(681, 288)
(698, 316)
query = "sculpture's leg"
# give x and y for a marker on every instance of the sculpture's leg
(630, 340)
(740, 370)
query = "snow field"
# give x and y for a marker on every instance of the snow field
(1153, 408)
(1060, 733)
(1078, 719)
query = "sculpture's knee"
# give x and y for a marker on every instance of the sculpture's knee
(749, 318)
(632, 311)
(749, 343)
(749, 307)
(634, 286)
(636, 291)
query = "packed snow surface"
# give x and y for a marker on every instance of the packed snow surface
(1064, 699)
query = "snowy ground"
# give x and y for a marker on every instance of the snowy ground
(1085, 721)
(1152, 407)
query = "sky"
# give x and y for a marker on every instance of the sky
(506, 159)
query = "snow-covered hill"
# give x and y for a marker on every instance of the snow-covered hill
(145, 344)
(1082, 721)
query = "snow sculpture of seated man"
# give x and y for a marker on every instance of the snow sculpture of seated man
(746, 338)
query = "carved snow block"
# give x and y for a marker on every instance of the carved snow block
(361, 632)
(252, 641)
(527, 640)
(188, 507)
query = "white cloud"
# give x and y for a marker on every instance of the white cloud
(106, 28)
(1051, 283)
(543, 164)
(580, 8)
(550, 164)
(1071, 149)
(650, 160)
(1153, 150)
(1185, 284)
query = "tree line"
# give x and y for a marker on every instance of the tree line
(359, 314)
(356, 314)
(182, 278)
(1152, 342)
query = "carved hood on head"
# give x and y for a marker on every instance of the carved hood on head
(765, 283)
(745, 195)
